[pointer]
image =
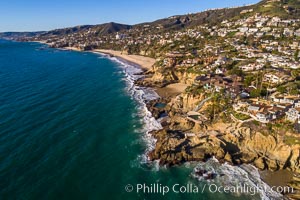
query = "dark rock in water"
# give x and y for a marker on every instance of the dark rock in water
(200, 172)
(205, 174)
(210, 176)
(41, 48)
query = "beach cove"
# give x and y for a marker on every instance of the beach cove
(171, 91)
(278, 179)
(85, 135)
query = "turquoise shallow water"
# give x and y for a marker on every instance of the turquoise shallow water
(69, 129)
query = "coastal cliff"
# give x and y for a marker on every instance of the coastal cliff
(239, 68)
(236, 145)
(184, 139)
(229, 143)
(172, 75)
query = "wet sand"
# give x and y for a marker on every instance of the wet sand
(278, 178)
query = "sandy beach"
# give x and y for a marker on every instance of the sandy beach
(277, 178)
(72, 48)
(146, 63)
(171, 90)
(42, 41)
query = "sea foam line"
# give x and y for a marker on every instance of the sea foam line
(233, 176)
(142, 95)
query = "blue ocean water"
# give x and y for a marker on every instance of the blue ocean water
(71, 129)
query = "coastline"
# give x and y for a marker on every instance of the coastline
(72, 48)
(279, 178)
(143, 95)
(144, 62)
(271, 179)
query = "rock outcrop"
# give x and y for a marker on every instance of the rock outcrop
(186, 102)
(183, 139)
(175, 148)
(236, 145)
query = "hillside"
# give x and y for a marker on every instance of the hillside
(211, 17)
(99, 30)
(279, 8)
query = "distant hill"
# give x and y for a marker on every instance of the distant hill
(280, 8)
(101, 29)
(206, 17)
(10, 35)
(64, 31)
(111, 28)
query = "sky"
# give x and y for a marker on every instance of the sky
(43, 15)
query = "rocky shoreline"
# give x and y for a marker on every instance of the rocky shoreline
(183, 140)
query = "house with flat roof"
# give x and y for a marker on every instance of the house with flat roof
(263, 117)
(254, 108)
(293, 115)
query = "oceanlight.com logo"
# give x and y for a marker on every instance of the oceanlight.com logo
(161, 189)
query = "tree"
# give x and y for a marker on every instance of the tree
(296, 55)
(248, 80)
(236, 71)
(294, 92)
(263, 92)
(218, 104)
(281, 89)
(255, 93)
(295, 74)
(231, 65)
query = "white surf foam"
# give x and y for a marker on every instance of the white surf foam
(142, 95)
(233, 176)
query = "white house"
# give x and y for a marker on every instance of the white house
(293, 114)
(262, 117)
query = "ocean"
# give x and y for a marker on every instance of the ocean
(74, 126)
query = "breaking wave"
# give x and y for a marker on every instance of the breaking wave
(142, 95)
(234, 176)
